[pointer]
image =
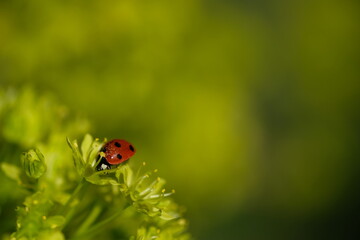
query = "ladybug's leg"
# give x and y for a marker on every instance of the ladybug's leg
(103, 165)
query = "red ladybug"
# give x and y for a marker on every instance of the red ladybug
(115, 152)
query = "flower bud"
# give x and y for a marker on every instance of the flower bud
(33, 163)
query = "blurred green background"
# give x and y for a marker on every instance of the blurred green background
(250, 109)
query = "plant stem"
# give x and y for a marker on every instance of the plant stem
(73, 196)
(95, 212)
(101, 224)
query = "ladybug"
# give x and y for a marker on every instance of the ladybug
(114, 152)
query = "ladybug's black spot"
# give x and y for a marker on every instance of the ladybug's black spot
(119, 156)
(117, 144)
(131, 148)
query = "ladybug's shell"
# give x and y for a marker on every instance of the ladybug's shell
(118, 151)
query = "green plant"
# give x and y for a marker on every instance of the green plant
(65, 197)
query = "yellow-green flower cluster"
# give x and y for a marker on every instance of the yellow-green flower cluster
(61, 197)
(144, 192)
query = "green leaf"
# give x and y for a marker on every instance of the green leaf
(51, 235)
(94, 151)
(31, 217)
(11, 171)
(77, 157)
(86, 146)
(54, 221)
(124, 175)
(105, 177)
